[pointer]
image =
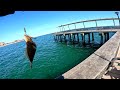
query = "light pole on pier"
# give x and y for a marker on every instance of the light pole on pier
(117, 13)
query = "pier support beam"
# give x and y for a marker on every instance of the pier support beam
(73, 38)
(55, 37)
(102, 38)
(60, 38)
(92, 43)
(70, 37)
(65, 38)
(77, 37)
(83, 38)
(89, 38)
(92, 36)
(106, 36)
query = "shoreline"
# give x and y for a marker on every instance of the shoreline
(6, 44)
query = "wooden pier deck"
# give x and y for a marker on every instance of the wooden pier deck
(113, 71)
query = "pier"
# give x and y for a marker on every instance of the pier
(96, 64)
(74, 35)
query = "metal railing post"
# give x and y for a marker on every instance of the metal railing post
(96, 24)
(117, 13)
(75, 25)
(62, 28)
(83, 24)
(68, 27)
(59, 28)
(114, 22)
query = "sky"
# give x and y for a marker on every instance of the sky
(39, 23)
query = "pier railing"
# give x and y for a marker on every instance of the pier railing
(62, 27)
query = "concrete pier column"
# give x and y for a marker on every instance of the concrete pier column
(88, 37)
(92, 44)
(69, 37)
(102, 38)
(73, 38)
(92, 36)
(107, 35)
(64, 37)
(56, 37)
(83, 38)
(60, 38)
(77, 37)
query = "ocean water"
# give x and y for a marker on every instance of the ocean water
(51, 59)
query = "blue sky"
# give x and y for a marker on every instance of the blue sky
(39, 23)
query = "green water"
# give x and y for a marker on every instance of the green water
(51, 59)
